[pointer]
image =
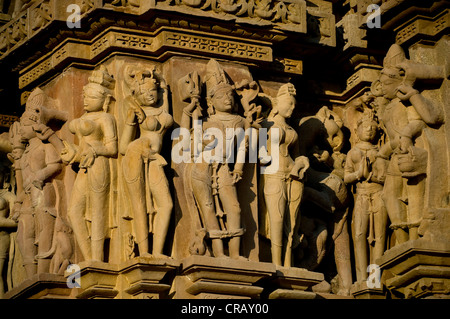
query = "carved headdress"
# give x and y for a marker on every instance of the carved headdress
(136, 76)
(368, 116)
(287, 89)
(40, 108)
(391, 62)
(216, 78)
(102, 80)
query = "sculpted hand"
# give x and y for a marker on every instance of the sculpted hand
(43, 132)
(67, 153)
(140, 115)
(192, 106)
(16, 212)
(405, 144)
(237, 176)
(88, 158)
(39, 184)
(379, 169)
(360, 171)
(303, 163)
(404, 92)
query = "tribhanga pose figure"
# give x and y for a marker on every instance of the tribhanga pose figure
(97, 135)
(406, 114)
(36, 166)
(213, 182)
(369, 214)
(7, 224)
(283, 189)
(146, 184)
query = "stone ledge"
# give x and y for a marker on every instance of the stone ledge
(419, 268)
(41, 286)
(224, 277)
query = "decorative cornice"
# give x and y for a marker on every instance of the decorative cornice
(159, 45)
(423, 27)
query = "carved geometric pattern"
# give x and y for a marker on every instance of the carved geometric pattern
(424, 26)
(178, 40)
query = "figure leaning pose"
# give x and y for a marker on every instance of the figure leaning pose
(369, 215)
(7, 224)
(97, 136)
(405, 116)
(36, 167)
(213, 183)
(283, 189)
(146, 184)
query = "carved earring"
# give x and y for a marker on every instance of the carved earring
(106, 104)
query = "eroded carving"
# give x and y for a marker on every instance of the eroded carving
(146, 185)
(283, 189)
(210, 179)
(89, 204)
(405, 115)
(369, 214)
(36, 163)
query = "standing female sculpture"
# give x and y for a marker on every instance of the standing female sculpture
(96, 132)
(283, 189)
(146, 184)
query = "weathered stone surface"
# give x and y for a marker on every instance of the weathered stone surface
(284, 149)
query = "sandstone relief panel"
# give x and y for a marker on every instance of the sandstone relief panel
(179, 163)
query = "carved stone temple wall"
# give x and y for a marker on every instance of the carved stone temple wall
(250, 149)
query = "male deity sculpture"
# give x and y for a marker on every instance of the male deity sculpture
(322, 141)
(369, 214)
(36, 166)
(283, 189)
(89, 203)
(146, 184)
(406, 114)
(212, 179)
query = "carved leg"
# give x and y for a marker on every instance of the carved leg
(276, 206)
(416, 190)
(342, 252)
(361, 225)
(99, 204)
(76, 214)
(133, 170)
(25, 241)
(396, 209)
(203, 197)
(295, 192)
(46, 229)
(380, 234)
(230, 203)
(2, 282)
(4, 249)
(164, 205)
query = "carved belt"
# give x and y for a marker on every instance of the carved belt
(214, 234)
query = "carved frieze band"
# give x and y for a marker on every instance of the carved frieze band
(153, 44)
(280, 14)
(424, 26)
(7, 120)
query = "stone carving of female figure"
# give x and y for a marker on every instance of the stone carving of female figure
(213, 183)
(369, 213)
(146, 184)
(283, 189)
(97, 135)
(7, 224)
